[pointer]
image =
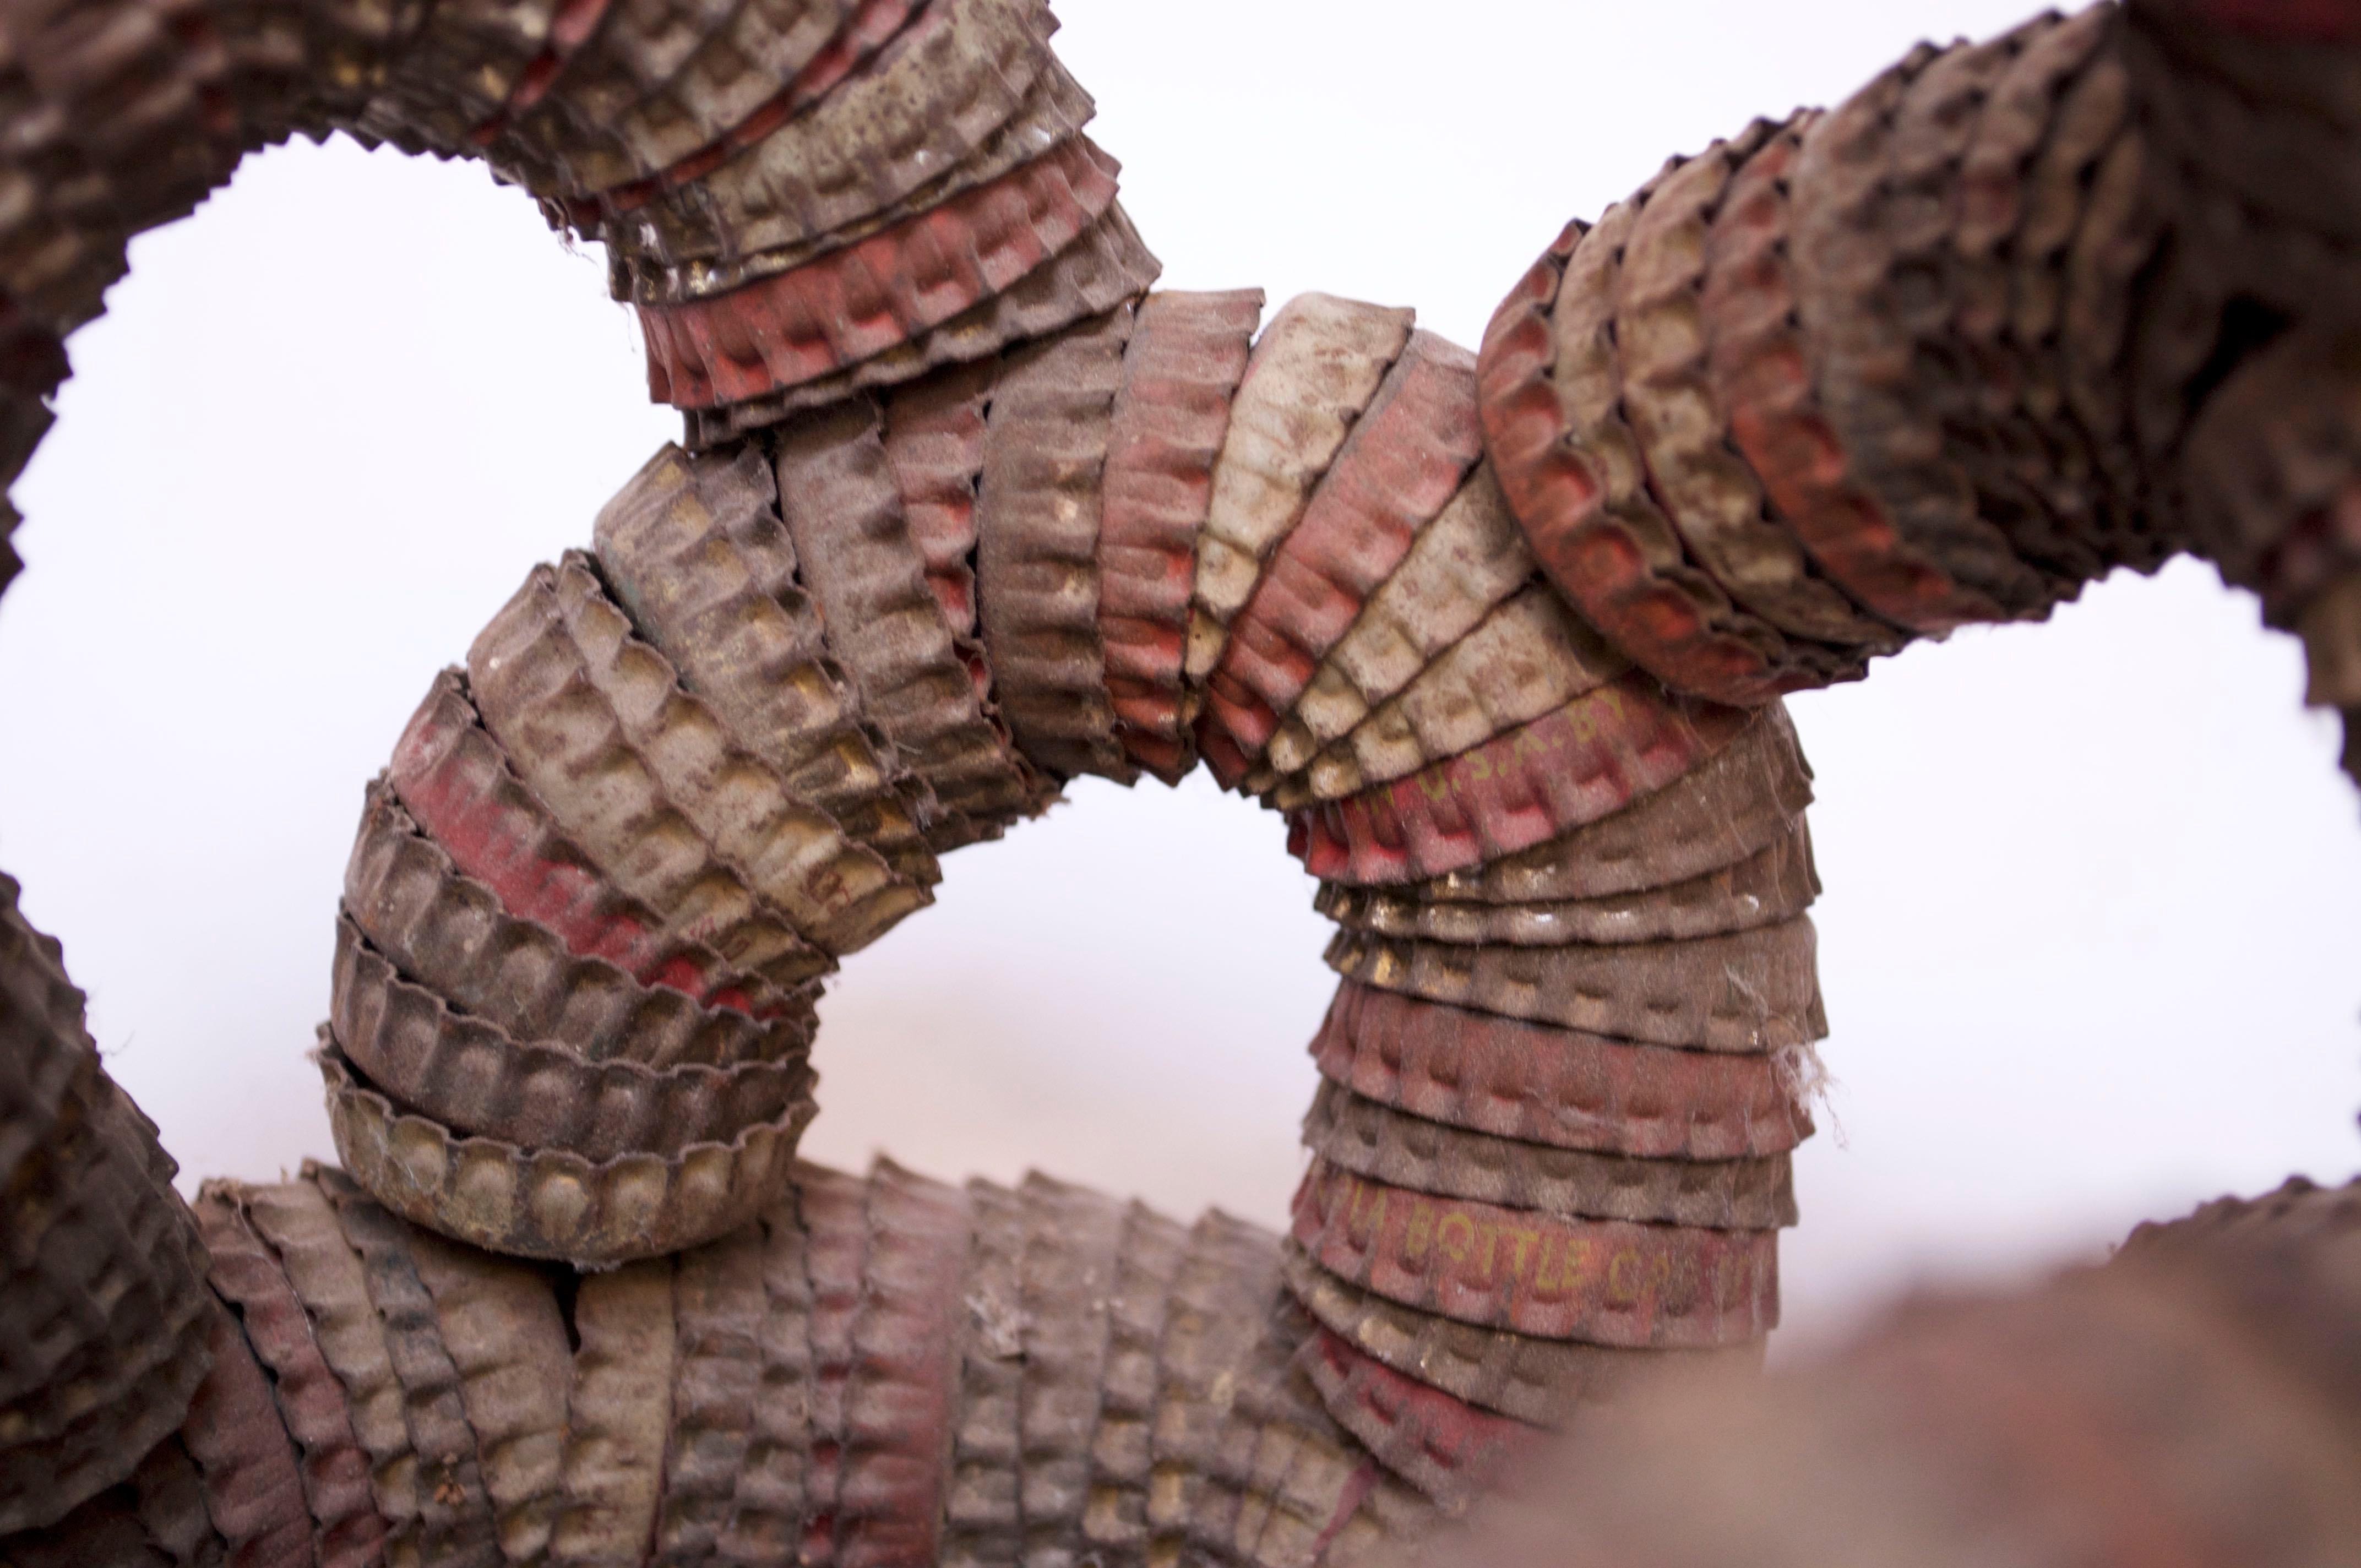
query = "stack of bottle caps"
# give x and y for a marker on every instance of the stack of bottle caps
(801, 201)
(887, 1369)
(105, 1324)
(1560, 1077)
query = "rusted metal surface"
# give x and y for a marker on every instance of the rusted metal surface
(1187, 353)
(969, 513)
(1401, 464)
(853, 306)
(1571, 766)
(1037, 543)
(1554, 1085)
(1314, 369)
(1604, 1281)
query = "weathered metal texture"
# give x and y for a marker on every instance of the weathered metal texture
(101, 1276)
(1182, 368)
(933, 433)
(1037, 542)
(507, 1343)
(1551, 1085)
(554, 1203)
(654, 83)
(449, 934)
(1545, 1382)
(984, 1522)
(1729, 806)
(1568, 768)
(1385, 1145)
(1073, 1242)
(1999, 323)
(446, 1483)
(297, 1221)
(254, 1492)
(850, 306)
(1746, 991)
(1530, 655)
(1448, 1448)
(1108, 266)
(924, 107)
(1313, 371)
(900, 1395)
(463, 789)
(694, 550)
(769, 1494)
(347, 1530)
(700, 254)
(1579, 480)
(596, 721)
(1604, 1281)
(1772, 885)
(1401, 464)
(843, 507)
(1663, 330)
(478, 1079)
(617, 1416)
(719, 1309)
(1461, 565)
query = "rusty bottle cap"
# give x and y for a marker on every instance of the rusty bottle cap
(1605, 1281)
(1774, 884)
(1315, 367)
(449, 934)
(1448, 1448)
(694, 550)
(1403, 460)
(462, 787)
(719, 1308)
(1387, 1146)
(454, 1513)
(672, 268)
(346, 1527)
(1556, 1086)
(1075, 1239)
(1572, 766)
(1663, 334)
(478, 1079)
(1730, 806)
(933, 433)
(927, 102)
(1530, 655)
(1748, 990)
(983, 1524)
(561, 670)
(1036, 551)
(1106, 265)
(842, 506)
(1180, 370)
(850, 306)
(1468, 559)
(901, 1397)
(617, 1414)
(649, 86)
(1536, 1380)
(554, 1203)
(767, 1496)
(297, 1223)
(245, 1459)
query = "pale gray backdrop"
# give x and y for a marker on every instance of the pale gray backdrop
(2092, 887)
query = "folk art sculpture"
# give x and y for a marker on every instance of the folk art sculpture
(964, 508)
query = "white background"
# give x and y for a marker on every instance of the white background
(2093, 888)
